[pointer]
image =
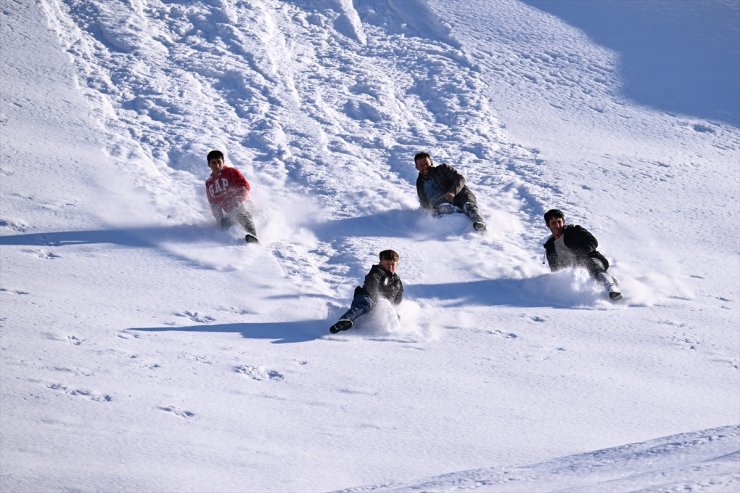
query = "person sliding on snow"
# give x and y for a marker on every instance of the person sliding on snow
(381, 282)
(574, 246)
(228, 195)
(442, 190)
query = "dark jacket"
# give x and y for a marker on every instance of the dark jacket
(446, 177)
(579, 241)
(379, 283)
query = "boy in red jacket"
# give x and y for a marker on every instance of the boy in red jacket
(228, 192)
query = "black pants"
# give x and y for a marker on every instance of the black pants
(593, 265)
(466, 201)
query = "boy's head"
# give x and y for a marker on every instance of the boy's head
(388, 255)
(555, 220)
(389, 260)
(423, 161)
(553, 214)
(214, 154)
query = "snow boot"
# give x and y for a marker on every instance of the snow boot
(608, 282)
(474, 214)
(250, 238)
(343, 324)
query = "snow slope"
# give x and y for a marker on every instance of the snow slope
(698, 461)
(142, 349)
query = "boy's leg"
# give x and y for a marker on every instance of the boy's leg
(360, 306)
(243, 217)
(596, 268)
(469, 204)
(474, 214)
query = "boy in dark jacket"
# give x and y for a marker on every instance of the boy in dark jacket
(573, 246)
(442, 189)
(381, 282)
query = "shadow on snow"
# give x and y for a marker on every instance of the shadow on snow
(680, 60)
(396, 223)
(546, 290)
(279, 332)
(135, 237)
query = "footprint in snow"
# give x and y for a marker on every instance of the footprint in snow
(196, 317)
(177, 412)
(258, 373)
(10, 291)
(505, 335)
(81, 393)
(43, 254)
(71, 339)
(127, 334)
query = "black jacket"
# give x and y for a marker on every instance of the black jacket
(579, 241)
(448, 179)
(381, 283)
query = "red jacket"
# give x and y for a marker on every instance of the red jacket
(226, 191)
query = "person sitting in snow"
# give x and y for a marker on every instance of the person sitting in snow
(381, 282)
(228, 195)
(573, 246)
(442, 190)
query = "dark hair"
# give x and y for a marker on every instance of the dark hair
(388, 255)
(421, 155)
(553, 213)
(214, 155)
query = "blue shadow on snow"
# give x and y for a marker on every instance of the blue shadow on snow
(679, 57)
(541, 291)
(128, 237)
(393, 223)
(279, 332)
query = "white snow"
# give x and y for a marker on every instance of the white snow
(143, 349)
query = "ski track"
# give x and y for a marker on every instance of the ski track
(351, 124)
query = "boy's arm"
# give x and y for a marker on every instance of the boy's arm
(423, 200)
(458, 181)
(372, 284)
(399, 295)
(215, 208)
(582, 240)
(237, 180)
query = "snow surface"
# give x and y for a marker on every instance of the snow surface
(143, 349)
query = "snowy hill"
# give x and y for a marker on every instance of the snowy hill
(698, 461)
(143, 349)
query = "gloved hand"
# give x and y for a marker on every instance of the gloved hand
(226, 222)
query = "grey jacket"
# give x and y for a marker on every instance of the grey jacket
(446, 177)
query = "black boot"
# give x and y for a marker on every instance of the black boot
(472, 211)
(343, 324)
